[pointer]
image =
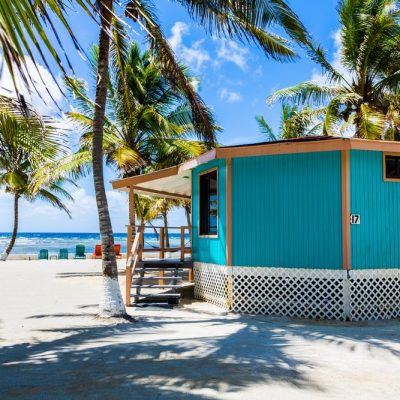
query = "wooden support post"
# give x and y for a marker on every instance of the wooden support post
(131, 229)
(128, 276)
(162, 243)
(182, 243)
(129, 241)
(141, 244)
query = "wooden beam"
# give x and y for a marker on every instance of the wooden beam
(195, 162)
(161, 193)
(228, 211)
(346, 238)
(284, 148)
(138, 179)
(375, 145)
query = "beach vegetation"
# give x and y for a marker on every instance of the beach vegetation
(29, 145)
(294, 123)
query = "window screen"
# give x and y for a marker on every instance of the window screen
(208, 203)
(392, 167)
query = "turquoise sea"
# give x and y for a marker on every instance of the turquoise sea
(31, 242)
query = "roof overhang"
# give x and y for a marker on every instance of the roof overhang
(175, 182)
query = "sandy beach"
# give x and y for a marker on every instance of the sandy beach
(53, 347)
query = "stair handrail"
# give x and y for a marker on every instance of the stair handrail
(131, 264)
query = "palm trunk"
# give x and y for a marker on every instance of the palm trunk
(188, 217)
(15, 229)
(165, 219)
(111, 304)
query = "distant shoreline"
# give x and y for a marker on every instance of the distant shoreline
(28, 244)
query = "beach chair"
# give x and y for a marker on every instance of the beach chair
(43, 254)
(80, 251)
(117, 249)
(63, 254)
(97, 251)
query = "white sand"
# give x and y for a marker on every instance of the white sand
(52, 347)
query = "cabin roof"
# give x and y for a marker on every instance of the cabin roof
(175, 182)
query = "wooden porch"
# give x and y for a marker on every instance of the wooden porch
(156, 273)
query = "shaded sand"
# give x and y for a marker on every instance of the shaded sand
(52, 347)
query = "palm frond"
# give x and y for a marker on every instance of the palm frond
(265, 129)
(305, 93)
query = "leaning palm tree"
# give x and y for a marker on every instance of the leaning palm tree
(365, 95)
(28, 143)
(294, 123)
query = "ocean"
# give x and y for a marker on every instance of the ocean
(31, 242)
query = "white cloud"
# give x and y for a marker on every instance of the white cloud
(230, 51)
(195, 56)
(39, 97)
(229, 96)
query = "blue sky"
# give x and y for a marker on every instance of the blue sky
(235, 81)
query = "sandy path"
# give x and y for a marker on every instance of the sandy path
(51, 347)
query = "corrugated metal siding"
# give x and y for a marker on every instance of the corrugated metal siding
(375, 243)
(210, 250)
(287, 211)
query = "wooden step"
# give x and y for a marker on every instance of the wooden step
(156, 286)
(145, 278)
(159, 269)
(157, 295)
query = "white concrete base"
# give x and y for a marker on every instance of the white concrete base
(297, 292)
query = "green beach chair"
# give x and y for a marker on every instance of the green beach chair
(43, 254)
(63, 254)
(80, 251)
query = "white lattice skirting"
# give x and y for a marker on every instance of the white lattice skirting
(308, 293)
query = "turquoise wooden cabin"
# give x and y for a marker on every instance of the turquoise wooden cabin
(306, 227)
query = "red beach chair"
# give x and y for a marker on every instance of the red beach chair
(97, 251)
(117, 249)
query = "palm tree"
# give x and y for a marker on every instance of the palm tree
(28, 143)
(146, 124)
(366, 94)
(294, 123)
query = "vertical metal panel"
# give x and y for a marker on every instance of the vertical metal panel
(375, 242)
(210, 250)
(286, 211)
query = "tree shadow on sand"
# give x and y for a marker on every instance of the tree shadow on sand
(190, 361)
(130, 361)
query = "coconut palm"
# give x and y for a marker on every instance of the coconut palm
(28, 143)
(294, 123)
(365, 94)
(146, 124)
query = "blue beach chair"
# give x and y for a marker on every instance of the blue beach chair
(80, 251)
(43, 254)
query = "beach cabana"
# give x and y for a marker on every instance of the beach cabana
(307, 227)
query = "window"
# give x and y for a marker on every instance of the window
(208, 218)
(392, 167)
